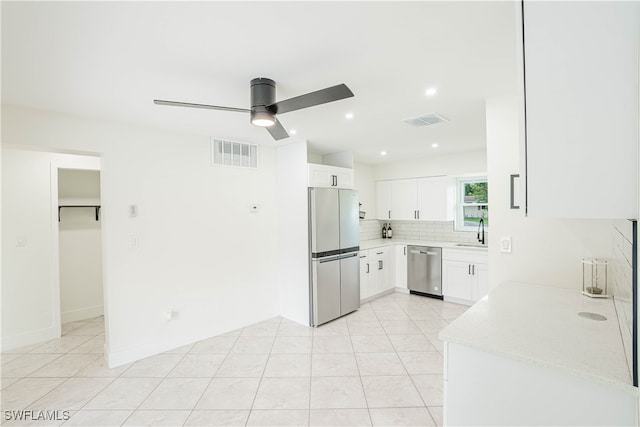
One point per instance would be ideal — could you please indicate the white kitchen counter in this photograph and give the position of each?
(540, 325)
(376, 243)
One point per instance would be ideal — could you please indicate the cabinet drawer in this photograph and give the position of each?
(472, 257)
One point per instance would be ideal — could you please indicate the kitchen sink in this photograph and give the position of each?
(472, 245)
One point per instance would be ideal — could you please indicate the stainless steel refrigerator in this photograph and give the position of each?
(334, 241)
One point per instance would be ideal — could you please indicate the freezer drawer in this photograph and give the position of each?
(424, 270)
(349, 283)
(325, 293)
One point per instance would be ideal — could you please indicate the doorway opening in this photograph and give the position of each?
(80, 257)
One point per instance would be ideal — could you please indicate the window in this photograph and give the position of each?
(229, 153)
(473, 203)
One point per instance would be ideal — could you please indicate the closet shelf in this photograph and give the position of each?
(96, 207)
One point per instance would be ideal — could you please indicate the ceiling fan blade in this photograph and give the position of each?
(208, 107)
(330, 94)
(277, 131)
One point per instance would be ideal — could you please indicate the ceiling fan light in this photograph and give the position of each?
(262, 118)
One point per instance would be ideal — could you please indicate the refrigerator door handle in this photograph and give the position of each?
(348, 255)
(333, 258)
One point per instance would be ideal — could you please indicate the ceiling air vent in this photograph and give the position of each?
(425, 120)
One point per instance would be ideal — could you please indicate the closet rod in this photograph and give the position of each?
(96, 207)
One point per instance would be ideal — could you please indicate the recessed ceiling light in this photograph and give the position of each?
(434, 145)
(383, 153)
(349, 116)
(431, 91)
(293, 131)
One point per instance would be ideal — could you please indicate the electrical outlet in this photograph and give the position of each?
(505, 245)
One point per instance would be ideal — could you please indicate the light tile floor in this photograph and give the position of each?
(380, 366)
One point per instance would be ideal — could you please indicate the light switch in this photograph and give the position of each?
(133, 211)
(505, 245)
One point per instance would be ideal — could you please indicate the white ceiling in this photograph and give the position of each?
(110, 60)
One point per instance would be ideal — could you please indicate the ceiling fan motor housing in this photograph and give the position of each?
(263, 93)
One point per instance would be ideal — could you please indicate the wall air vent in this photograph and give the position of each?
(230, 153)
(425, 120)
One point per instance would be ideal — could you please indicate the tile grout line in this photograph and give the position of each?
(66, 379)
(364, 394)
(213, 375)
(262, 376)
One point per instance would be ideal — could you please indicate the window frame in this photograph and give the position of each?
(460, 205)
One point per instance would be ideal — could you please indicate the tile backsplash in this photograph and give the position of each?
(440, 231)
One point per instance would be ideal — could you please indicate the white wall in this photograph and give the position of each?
(545, 251)
(364, 182)
(80, 243)
(464, 163)
(293, 232)
(30, 289)
(201, 252)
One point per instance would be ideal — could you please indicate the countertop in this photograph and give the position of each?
(376, 243)
(540, 325)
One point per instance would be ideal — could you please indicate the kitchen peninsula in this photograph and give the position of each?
(523, 356)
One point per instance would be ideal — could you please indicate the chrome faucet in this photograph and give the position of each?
(481, 231)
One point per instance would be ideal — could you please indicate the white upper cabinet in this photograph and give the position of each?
(581, 108)
(404, 199)
(383, 199)
(436, 199)
(329, 176)
(424, 199)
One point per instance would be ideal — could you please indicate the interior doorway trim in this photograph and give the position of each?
(64, 161)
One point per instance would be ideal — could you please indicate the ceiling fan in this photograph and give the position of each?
(264, 108)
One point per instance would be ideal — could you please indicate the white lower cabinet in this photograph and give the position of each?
(374, 272)
(464, 275)
(364, 274)
(400, 266)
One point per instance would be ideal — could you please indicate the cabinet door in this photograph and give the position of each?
(581, 80)
(404, 199)
(383, 200)
(364, 275)
(319, 176)
(400, 272)
(379, 268)
(436, 199)
(458, 281)
(329, 176)
(343, 178)
(481, 279)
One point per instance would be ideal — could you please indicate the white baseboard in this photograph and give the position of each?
(82, 313)
(458, 301)
(120, 357)
(28, 338)
(402, 290)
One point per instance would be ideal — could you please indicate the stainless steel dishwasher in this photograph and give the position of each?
(424, 271)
